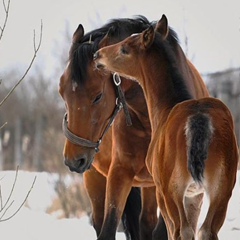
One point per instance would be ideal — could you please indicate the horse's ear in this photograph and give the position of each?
(147, 37)
(106, 39)
(78, 34)
(162, 26)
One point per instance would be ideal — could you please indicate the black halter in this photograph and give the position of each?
(120, 103)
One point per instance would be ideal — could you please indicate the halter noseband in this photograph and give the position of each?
(120, 103)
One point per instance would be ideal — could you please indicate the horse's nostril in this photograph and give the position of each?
(79, 165)
(81, 162)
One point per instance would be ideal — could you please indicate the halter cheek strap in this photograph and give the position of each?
(120, 103)
(117, 82)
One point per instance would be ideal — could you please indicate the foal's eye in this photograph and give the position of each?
(124, 50)
(97, 99)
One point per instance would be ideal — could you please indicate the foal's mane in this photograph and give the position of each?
(161, 47)
(81, 53)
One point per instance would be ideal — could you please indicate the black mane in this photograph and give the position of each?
(181, 92)
(81, 54)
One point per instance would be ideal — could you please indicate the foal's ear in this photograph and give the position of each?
(162, 27)
(147, 37)
(78, 34)
(107, 38)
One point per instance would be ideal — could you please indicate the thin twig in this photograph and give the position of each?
(36, 49)
(6, 9)
(10, 195)
(1, 198)
(5, 207)
(3, 125)
(25, 199)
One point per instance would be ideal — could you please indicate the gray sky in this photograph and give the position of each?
(212, 27)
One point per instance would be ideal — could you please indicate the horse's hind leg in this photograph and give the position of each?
(193, 209)
(164, 216)
(148, 220)
(213, 222)
(219, 194)
(148, 217)
(160, 231)
(182, 229)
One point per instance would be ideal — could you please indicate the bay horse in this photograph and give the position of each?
(89, 103)
(193, 147)
(90, 98)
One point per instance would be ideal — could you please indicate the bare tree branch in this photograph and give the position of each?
(1, 201)
(5, 207)
(6, 9)
(11, 192)
(3, 125)
(36, 49)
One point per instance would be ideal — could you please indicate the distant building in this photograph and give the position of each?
(225, 85)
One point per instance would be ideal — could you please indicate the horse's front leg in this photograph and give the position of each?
(95, 185)
(119, 184)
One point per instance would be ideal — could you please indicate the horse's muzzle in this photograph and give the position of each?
(79, 165)
(96, 57)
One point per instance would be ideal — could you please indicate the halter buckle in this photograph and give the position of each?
(119, 103)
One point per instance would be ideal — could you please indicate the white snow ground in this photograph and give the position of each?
(33, 223)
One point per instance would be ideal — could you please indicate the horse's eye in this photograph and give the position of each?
(124, 50)
(97, 99)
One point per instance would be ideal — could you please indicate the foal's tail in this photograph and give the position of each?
(130, 217)
(199, 132)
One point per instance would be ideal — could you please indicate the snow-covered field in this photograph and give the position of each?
(33, 223)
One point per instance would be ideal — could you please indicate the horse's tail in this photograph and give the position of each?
(199, 132)
(130, 217)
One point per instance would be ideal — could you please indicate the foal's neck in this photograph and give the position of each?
(164, 87)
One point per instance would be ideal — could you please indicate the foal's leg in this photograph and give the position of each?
(193, 209)
(219, 191)
(214, 220)
(174, 200)
(95, 185)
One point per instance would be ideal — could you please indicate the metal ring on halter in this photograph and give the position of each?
(116, 79)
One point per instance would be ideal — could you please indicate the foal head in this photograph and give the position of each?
(128, 56)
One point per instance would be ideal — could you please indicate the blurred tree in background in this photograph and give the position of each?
(30, 124)
(32, 137)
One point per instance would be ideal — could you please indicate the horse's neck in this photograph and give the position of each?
(192, 77)
(136, 101)
(160, 93)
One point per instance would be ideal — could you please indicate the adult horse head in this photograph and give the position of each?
(89, 104)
